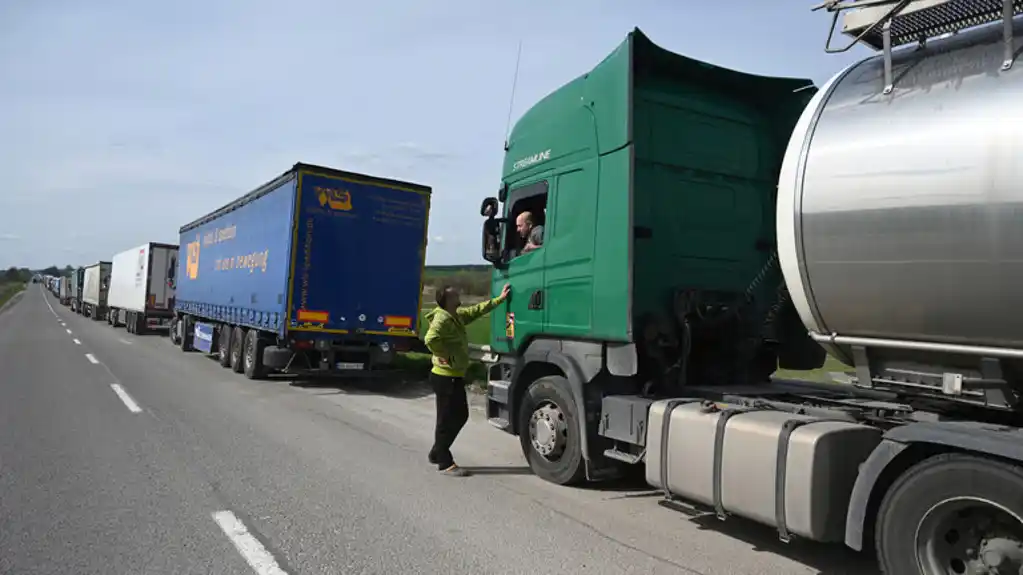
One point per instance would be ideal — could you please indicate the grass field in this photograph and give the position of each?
(8, 290)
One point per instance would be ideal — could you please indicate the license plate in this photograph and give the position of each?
(347, 365)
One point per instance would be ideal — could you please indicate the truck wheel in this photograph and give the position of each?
(253, 362)
(549, 431)
(138, 324)
(952, 513)
(224, 345)
(237, 350)
(187, 325)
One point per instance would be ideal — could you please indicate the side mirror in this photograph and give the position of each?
(488, 208)
(502, 194)
(492, 241)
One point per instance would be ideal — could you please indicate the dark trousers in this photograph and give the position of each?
(452, 414)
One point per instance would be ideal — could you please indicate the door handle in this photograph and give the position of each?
(536, 300)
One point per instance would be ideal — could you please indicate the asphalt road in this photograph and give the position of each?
(121, 455)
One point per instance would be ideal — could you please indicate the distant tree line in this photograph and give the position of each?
(24, 275)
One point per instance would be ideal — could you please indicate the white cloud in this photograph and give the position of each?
(10, 238)
(438, 239)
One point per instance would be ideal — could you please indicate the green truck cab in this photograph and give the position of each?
(654, 176)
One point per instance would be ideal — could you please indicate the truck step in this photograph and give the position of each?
(629, 458)
(499, 422)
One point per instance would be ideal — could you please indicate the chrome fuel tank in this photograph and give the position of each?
(900, 216)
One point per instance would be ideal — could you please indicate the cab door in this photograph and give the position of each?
(524, 315)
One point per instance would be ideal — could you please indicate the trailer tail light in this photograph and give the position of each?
(303, 344)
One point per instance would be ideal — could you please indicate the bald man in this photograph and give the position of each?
(532, 233)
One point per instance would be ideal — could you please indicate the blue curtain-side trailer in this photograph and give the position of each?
(318, 271)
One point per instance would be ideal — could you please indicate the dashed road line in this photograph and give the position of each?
(128, 401)
(261, 561)
(77, 342)
(124, 341)
(68, 331)
(46, 301)
(91, 358)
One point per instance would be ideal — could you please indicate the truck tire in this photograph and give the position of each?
(224, 345)
(138, 323)
(237, 349)
(549, 431)
(253, 359)
(187, 332)
(952, 513)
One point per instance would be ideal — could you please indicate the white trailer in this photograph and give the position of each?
(95, 290)
(142, 287)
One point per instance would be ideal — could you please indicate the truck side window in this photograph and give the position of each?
(527, 219)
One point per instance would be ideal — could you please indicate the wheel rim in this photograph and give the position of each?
(969, 536)
(548, 431)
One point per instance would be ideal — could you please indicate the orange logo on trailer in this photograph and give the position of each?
(335, 199)
(192, 263)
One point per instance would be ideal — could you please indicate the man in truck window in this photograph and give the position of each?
(530, 231)
(447, 341)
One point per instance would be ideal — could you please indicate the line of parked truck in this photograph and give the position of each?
(701, 228)
(318, 271)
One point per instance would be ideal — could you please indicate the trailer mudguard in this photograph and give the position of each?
(987, 439)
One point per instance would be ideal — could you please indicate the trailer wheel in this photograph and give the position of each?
(952, 514)
(549, 431)
(253, 362)
(237, 349)
(224, 341)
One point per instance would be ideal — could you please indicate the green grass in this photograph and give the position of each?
(8, 290)
(823, 374)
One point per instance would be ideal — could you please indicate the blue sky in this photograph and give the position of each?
(120, 121)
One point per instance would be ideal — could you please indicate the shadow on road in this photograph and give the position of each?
(825, 559)
(391, 384)
(509, 470)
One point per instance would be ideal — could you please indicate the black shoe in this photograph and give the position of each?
(432, 459)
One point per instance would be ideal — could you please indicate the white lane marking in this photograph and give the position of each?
(47, 302)
(77, 342)
(124, 341)
(261, 561)
(91, 358)
(128, 401)
(68, 331)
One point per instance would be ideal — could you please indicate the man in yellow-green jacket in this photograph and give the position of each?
(449, 344)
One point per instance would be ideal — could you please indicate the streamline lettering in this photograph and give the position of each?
(530, 160)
